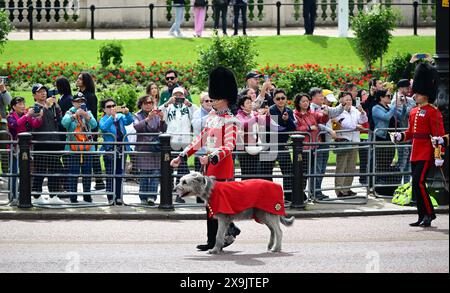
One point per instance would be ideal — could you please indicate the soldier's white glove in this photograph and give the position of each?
(438, 162)
(395, 136)
(437, 140)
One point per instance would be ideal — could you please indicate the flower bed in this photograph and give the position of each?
(294, 78)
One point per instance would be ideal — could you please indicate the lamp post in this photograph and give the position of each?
(442, 100)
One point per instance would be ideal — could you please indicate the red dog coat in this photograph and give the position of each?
(234, 197)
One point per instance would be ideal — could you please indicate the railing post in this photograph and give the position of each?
(151, 7)
(30, 20)
(166, 174)
(24, 170)
(92, 20)
(298, 190)
(278, 18)
(415, 4)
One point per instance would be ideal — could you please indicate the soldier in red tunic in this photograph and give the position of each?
(219, 139)
(425, 122)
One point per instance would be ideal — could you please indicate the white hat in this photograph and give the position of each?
(331, 98)
(178, 90)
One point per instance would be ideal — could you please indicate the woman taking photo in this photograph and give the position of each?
(308, 121)
(86, 85)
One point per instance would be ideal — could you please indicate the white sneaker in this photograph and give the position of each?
(110, 202)
(55, 200)
(144, 201)
(40, 200)
(173, 34)
(180, 35)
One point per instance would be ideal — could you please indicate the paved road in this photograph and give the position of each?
(105, 34)
(356, 244)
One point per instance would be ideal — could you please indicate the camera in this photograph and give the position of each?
(4, 80)
(52, 93)
(421, 56)
(37, 108)
(83, 107)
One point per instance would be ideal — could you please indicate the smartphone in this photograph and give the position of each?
(358, 102)
(4, 80)
(266, 77)
(83, 107)
(157, 110)
(421, 56)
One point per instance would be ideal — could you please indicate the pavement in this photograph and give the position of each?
(385, 244)
(192, 211)
(188, 32)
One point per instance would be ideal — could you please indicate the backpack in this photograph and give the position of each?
(403, 195)
(81, 127)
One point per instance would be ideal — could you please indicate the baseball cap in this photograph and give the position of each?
(252, 74)
(79, 96)
(36, 87)
(178, 89)
(329, 96)
(16, 100)
(403, 83)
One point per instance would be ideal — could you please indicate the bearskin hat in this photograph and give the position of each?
(426, 81)
(223, 85)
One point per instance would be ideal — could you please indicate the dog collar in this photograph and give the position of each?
(208, 183)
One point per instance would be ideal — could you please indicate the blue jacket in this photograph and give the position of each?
(70, 125)
(279, 125)
(107, 125)
(381, 118)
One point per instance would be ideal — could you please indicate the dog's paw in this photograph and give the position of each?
(214, 251)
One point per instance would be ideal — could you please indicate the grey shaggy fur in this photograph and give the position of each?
(195, 184)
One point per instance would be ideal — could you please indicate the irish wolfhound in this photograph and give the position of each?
(228, 201)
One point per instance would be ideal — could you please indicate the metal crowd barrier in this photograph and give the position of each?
(8, 173)
(145, 169)
(56, 166)
(390, 158)
(300, 156)
(342, 151)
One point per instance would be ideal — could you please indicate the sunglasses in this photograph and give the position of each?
(280, 98)
(110, 106)
(148, 103)
(170, 77)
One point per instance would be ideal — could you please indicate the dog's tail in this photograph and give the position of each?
(287, 221)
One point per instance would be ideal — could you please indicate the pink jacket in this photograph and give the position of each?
(308, 119)
(18, 124)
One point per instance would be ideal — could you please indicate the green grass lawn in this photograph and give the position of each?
(282, 50)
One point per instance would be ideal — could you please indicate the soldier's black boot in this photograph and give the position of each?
(416, 224)
(212, 225)
(426, 222)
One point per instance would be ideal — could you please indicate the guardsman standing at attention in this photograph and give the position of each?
(425, 122)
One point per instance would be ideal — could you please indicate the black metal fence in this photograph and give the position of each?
(297, 174)
(31, 10)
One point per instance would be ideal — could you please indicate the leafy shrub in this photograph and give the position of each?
(396, 65)
(236, 54)
(5, 28)
(301, 80)
(373, 33)
(111, 52)
(123, 95)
